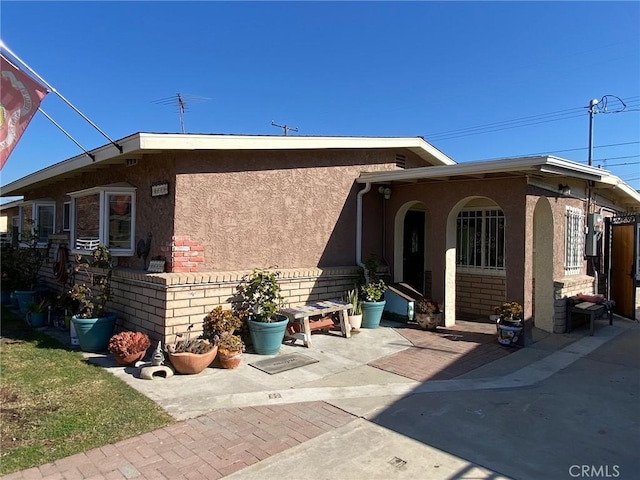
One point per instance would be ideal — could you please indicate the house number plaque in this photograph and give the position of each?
(159, 189)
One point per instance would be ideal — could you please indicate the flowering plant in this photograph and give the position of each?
(512, 310)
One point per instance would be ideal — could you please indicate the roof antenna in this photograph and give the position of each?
(286, 128)
(182, 102)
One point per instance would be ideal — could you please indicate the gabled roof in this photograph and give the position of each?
(134, 146)
(543, 168)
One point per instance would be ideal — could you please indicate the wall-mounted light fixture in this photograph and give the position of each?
(386, 191)
(564, 189)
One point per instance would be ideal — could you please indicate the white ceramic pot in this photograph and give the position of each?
(355, 321)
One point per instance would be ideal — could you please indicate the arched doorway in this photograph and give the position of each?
(412, 250)
(543, 301)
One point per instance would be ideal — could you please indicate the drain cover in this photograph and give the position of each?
(397, 462)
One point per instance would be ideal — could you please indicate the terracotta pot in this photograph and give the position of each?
(428, 322)
(191, 363)
(129, 359)
(229, 359)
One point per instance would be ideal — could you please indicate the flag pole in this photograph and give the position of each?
(53, 90)
(91, 155)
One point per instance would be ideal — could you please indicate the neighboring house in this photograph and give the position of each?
(216, 206)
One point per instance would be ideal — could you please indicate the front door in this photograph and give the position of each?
(413, 250)
(622, 266)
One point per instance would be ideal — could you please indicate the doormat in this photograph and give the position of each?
(283, 363)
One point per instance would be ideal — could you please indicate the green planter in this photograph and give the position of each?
(372, 313)
(25, 297)
(94, 333)
(36, 319)
(267, 336)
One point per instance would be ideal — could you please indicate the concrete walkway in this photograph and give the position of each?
(566, 401)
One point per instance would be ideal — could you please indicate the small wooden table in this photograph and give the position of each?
(301, 316)
(590, 309)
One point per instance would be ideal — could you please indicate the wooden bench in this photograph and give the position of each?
(576, 306)
(301, 316)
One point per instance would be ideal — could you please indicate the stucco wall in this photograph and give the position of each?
(257, 209)
(153, 214)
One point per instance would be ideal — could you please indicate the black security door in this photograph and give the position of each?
(413, 250)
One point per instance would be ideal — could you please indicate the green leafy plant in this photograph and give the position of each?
(27, 259)
(229, 343)
(373, 291)
(428, 307)
(259, 294)
(353, 298)
(38, 306)
(374, 287)
(511, 311)
(219, 321)
(91, 297)
(128, 343)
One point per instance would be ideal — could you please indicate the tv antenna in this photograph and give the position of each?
(285, 128)
(182, 102)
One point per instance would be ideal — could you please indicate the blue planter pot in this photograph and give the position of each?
(267, 337)
(37, 319)
(25, 297)
(6, 297)
(94, 333)
(372, 314)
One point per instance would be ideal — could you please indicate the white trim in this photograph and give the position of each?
(573, 241)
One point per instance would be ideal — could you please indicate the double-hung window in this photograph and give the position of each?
(574, 241)
(103, 215)
(480, 240)
(38, 217)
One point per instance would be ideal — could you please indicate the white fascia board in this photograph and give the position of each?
(523, 164)
(105, 152)
(155, 141)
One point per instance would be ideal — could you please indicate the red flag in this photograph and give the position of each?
(20, 96)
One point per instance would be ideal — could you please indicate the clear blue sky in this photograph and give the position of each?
(337, 68)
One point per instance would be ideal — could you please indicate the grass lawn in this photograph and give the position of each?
(54, 404)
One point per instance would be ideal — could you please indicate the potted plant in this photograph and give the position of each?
(371, 294)
(92, 323)
(259, 295)
(496, 314)
(219, 321)
(129, 347)
(190, 356)
(355, 313)
(37, 312)
(509, 323)
(230, 348)
(28, 261)
(428, 314)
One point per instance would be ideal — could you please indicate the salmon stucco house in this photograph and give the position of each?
(469, 235)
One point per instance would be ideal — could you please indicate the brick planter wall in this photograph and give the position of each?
(478, 294)
(568, 287)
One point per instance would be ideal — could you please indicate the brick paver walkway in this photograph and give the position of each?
(207, 447)
(446, 353)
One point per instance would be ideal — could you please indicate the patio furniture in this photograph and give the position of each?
(301, 316)
(575, 306)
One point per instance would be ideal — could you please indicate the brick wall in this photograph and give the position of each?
(477, 294)
(568, 287)
(183, 255)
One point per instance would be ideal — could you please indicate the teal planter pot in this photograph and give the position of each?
(25, 297)
(94, 333)
(372, 314)
(6, 297)
(36, 319)
(267, 337)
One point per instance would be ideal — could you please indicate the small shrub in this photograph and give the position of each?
(128, 343)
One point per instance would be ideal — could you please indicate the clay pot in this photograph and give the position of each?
(129, 359)
(229, 359)
(191, 363)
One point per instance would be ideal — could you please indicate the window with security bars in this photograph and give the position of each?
(480, 239)
(574, 241)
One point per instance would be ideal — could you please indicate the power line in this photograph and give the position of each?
(558, 115)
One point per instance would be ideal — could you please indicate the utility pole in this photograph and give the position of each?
(286, 128)
(592, 112)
